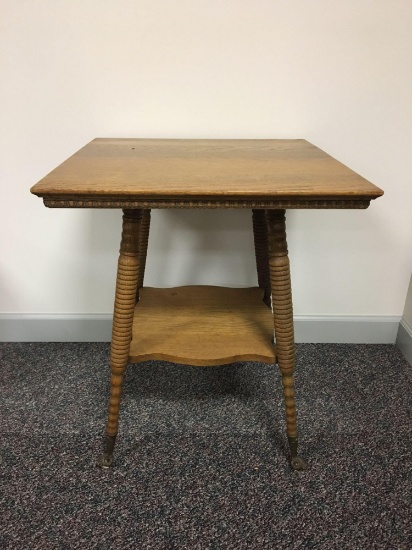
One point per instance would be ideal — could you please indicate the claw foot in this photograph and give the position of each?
(298, 463)
(104, 461)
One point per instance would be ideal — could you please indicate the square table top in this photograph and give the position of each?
(203, 173)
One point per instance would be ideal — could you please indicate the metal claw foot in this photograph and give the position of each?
(298, 463)
(104, 461)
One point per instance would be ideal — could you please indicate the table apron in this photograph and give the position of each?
(270, 204)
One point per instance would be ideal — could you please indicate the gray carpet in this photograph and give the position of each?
(200, 459)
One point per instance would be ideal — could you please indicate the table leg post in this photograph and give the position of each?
(143, 242)
(260, 234)
(125, 300)
(283, 321)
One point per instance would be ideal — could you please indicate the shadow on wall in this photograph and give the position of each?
(407, 312)
(215, 247)
(101, 233)
(201, 247)
(186, 247)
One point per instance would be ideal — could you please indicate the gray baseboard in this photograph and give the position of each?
(55, 328)
(360, 329)
(404, 340)
(97, 328)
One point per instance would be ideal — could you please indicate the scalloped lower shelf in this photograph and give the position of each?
(202, 325)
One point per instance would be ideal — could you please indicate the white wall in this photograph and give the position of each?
(338, 74)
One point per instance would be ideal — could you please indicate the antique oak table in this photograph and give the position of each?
(203, 325)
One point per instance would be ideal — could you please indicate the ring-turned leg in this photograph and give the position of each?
(125, 300)
(260, 234)
(283, 320)
(143, 242)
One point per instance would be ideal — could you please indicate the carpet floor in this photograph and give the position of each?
(200, 461)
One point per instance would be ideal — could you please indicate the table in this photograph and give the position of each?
(204, 325)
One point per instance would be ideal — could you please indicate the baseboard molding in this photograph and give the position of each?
(55, 328)
(404, 340)
(97, 328)
(359, 329)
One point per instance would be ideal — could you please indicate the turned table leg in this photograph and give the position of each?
(260, 234)
(125, 300)
(283, 320)
(143, 242)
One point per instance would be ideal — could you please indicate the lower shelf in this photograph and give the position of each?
(202, 325)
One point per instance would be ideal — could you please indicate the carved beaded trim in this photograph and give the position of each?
(154, 203)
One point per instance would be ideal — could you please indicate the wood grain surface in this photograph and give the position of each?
(202, 325)
(189, 169)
